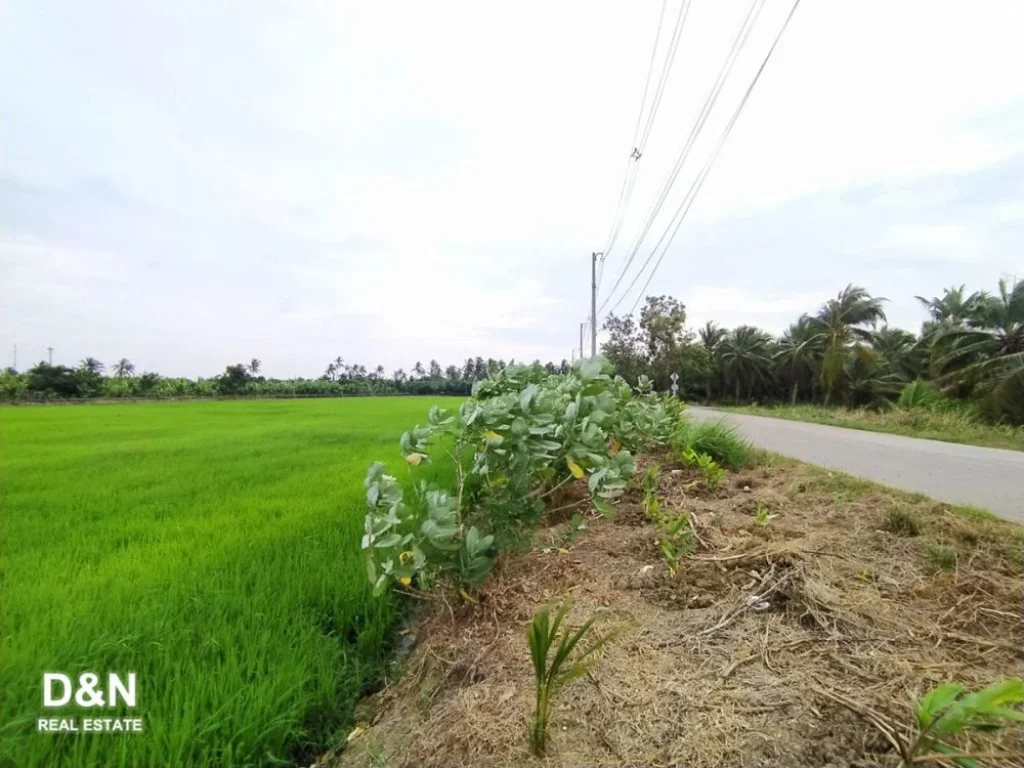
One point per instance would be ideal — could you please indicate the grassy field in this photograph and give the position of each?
(211, 548)
(950, 426)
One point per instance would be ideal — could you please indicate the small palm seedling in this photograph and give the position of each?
(762, 517)
(577, 527)
(554, 672)
(713, 474)
(649, 485)
(949, 710)
(675, 539)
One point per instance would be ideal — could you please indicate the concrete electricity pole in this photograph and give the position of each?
(581, 339)
(50, 350)
(593, 303)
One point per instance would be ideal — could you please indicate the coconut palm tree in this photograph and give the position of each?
(989, 352)
(379, 372)
(417, 370)
(955, 306)
(254, 366)
(92, 365)
(799, 355)
(844, 322)
(745, 358)
(711, 336)
(900, 352)
(124, 369)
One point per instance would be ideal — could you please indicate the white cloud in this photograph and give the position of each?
(397, 180)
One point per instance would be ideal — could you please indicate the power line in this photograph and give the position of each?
(629, 179)
(709, 101)
(666, 70)
(691, 194)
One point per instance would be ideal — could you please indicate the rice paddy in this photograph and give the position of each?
(212, 549)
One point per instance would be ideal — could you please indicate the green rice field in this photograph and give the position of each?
(210, 547)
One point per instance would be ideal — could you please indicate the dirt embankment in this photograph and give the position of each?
(771, 646)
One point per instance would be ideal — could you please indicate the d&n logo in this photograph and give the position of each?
(59, 691)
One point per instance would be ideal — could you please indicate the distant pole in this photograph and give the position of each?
(593, 303)
(15, 365)
(50, 350)
(572, 355)
(582, 325)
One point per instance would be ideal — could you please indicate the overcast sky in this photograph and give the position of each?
(191, 184)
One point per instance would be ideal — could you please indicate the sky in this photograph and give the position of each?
(193, 184)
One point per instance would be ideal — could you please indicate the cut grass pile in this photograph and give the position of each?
(951, 426)
(212, 549)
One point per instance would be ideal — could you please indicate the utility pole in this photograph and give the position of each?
(50, 350)
(593, 303)
(581, 339)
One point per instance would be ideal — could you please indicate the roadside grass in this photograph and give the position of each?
(950, 426)
(212, 549)
(717, 439)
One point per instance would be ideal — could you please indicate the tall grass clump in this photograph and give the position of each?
(716, 439)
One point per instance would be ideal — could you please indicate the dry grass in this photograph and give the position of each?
(846, 617)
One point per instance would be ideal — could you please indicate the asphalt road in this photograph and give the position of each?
(990, 478)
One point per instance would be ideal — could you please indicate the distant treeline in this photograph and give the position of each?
(91, 379)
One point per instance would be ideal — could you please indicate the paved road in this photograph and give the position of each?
(990, 478)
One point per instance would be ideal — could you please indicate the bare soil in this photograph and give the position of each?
(849, 622)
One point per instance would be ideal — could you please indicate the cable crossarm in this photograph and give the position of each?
(711, 98)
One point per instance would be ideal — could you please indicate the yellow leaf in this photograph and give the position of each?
(415, 458)
(356, 732)
(563, 551)
(492, 435)
(576, 469)
(614, 447)
(405, 580)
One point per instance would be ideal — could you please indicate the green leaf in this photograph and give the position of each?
(936, 701)
(526, 396)
(388, 541)
(590, 368)
(602, 506)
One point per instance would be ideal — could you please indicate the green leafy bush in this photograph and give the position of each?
(521, 436)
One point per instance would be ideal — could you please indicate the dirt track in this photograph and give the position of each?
(990, 478)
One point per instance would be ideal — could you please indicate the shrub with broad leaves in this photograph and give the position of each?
(521, 436)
